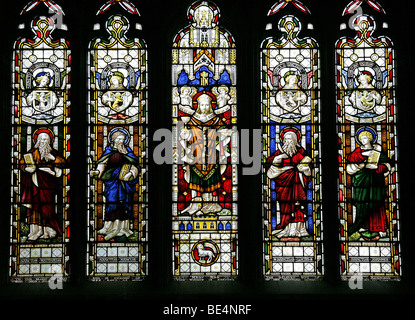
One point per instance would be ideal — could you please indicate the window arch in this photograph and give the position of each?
(117, 152)
(246, 22)
(204, 171)
(367, 139)
(291, 175)
(41, 153)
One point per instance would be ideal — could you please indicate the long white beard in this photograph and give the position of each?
(121, 148)
(289, 148)
(44, 150)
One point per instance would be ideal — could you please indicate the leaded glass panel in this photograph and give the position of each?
(205, 181)
(368, 179)
(291, 171)
(117, 155)
(41, 152)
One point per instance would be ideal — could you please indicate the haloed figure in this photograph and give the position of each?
(204, 174)
(118, 169)
(291, 97)
(118, 98)
(42, 99)
(41, 166)
(369, 166)
(290, 169)
(366, 98)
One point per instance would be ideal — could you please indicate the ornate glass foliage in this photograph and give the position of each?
(291, 172)
(204, 170)
(117, 147)
(40, 155)
(368, 180)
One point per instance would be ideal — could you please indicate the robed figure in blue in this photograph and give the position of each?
(118, 169)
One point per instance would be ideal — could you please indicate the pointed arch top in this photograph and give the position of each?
(52, 5)
(281, 4)
(125, 4)
(356, 5)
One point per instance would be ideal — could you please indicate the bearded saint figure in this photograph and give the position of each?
(289, 167)
(118, 169)
(203, 171)
(41, 166)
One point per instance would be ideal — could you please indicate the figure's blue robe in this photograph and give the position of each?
(118, 193)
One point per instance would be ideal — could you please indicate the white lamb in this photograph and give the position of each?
(202, 252)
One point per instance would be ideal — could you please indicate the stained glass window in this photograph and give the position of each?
(204, 168)
(291, 171)
(366, 126)
(41, 151)
(117, 148)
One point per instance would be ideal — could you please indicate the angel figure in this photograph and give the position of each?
(222, 96)
(42, 99)
(365, 98)
(291, 97)
(117, 98)
(184, 99)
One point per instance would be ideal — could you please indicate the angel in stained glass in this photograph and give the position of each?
(365, 98)
(291, 98)
(42, 102)
(42, 99)
(117, 97)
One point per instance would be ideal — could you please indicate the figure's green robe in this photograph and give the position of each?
(369, 193)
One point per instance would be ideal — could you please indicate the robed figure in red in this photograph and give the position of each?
(289, 167)
(42, 167)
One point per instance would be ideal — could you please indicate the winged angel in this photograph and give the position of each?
(42, 102)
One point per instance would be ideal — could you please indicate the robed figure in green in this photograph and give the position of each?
(369, 166)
